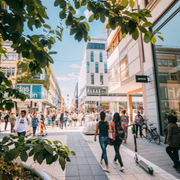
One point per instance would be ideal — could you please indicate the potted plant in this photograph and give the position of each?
(40, 149)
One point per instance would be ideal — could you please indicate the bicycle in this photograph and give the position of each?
(150, 134)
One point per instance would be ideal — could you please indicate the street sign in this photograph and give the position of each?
(141, 79)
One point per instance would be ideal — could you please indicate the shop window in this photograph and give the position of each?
(101, 57)
(101, 79)
(96, 67)
(37, 76)
(167, 60)
(92, 78)
(92, 56)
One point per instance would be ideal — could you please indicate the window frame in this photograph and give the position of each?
(87, 67)
(92, 78)
(101, 82)
(97, 67)
(92, 56)
(100, 56)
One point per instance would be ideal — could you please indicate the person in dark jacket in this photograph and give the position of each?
(34, 122)
(172, 140)
(6, 119)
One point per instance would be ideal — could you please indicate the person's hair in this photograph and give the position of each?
(102, 116)
(107, 111)
(172, 119)
(124, 111)
(23, 111)
(138, 112)
(12, 113)
(116, 119)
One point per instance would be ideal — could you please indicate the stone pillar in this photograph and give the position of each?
(39, 106)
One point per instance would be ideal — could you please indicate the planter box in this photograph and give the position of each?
(40, 173)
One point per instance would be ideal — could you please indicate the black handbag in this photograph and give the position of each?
(110, 141)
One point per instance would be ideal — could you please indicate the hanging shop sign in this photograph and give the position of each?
(141, 79)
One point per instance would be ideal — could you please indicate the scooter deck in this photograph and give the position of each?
(143, 164)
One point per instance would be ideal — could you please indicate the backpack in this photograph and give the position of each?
(120, 133)
(26, 119)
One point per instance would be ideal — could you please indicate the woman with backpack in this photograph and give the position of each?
(103, 126)
(124, 122)
(117, 135)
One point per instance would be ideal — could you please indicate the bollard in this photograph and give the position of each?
(42, 127)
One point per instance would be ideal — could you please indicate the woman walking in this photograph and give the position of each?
(65, 119)
(53, 120)
(103, 126)
(117, 141)
(12, 121)
(34, 122)
(70, 119)
(124, 122)
(172, 140)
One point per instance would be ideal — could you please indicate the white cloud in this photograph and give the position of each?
(75, 66)
(72, 75)
(77, 11)
(87, 13)
(61, 78)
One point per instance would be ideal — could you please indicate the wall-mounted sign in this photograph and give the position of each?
(25, 89)
(141, 79)
(96, 91)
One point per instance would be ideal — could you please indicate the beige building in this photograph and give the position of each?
(160, 62)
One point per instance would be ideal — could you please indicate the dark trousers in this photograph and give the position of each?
(12, 126)
(173, 154)
(22, 133)
(61, 124)
(117, 145)
(6, 123)
(34, 131)
(138, 126)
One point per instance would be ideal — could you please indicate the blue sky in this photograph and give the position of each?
(69, 49)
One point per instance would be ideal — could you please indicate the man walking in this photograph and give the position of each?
(138, 121)
(22, 124)
(61, 120)
(108, 116)
(12, 121)
(6, 119)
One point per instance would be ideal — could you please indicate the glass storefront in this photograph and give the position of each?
(167, 62)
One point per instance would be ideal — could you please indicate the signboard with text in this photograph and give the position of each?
(141, 79)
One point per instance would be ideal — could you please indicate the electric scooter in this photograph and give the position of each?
(146, 167)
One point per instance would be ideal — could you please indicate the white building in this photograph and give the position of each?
(93, 81)
(160, 62)
(42, 97)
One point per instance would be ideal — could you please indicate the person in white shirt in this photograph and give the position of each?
(22, 124)
(75, 118)
(108, 116)
(80, 116)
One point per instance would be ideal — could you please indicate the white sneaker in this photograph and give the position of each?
(122, 168)
(114, 162)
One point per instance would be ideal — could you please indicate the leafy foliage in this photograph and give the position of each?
(40, 149)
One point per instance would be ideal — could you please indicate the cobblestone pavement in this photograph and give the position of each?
(86, 163)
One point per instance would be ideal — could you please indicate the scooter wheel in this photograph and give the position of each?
(151, 172)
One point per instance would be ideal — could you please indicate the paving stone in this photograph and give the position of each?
(92, 161)
(72, 171)
(81, 160)
(101, 178)
(85, 172)
(86, 178)
(72, 178)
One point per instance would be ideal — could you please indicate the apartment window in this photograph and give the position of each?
(101, 79)
(96, 68)
(37, 76)
(96, 46)
(124, 68)
(105, 67)
(92, 78)
(92, 56)
(10, 56)
(101, 57)
(88, 67)
(19, 71)
(8, 71)
(7, 44)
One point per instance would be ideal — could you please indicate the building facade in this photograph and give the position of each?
(43, 89)
(160, 62)
(93, 81)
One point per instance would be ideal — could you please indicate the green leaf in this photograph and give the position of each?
(52, 52)
(84, 2)
(82, 17)
(55, 157)
(57, 2)
(131, 3)
(31, 152)
(102, 18)
(40, 158)
(157, 32)
(125, 3)
(87, 25)
(73, 153)
(88, 38)
(37, 148)
(62, 162)
(123, 35)
(12, 154)
(49, 158)
(62, 14)
(153, 40)
(142, 29)
(135, 34)
(107, 4)
(147, 24)
(108, 26)
(91, 18)
(147, 39)
(5, 139)
(161, 38)
(51, 31)
(48, 148)
(23, 156)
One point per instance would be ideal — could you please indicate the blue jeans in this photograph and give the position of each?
(103, 144)
(65, 123)
(22, 133)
